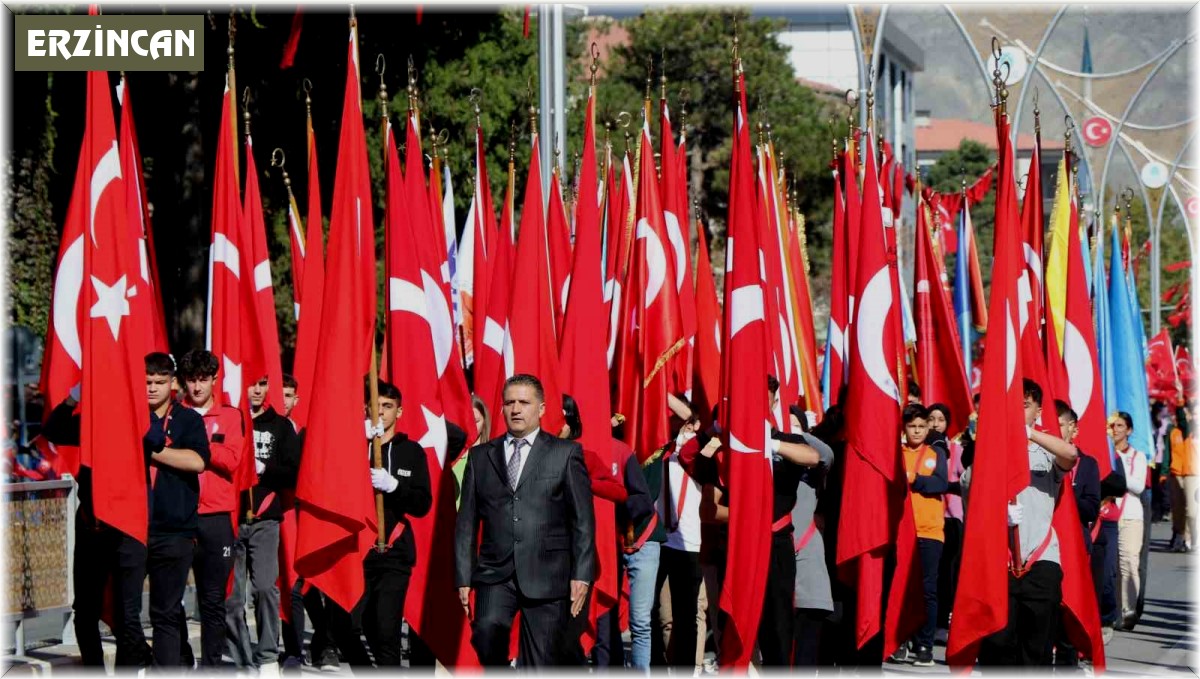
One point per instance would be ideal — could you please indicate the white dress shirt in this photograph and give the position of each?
(509, 449)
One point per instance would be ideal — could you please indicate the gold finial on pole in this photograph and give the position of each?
(649, 75)
(232, 34)
(380, 68)
(1069, 124)
(595, 51)
(737, 57)
(307, 96)
(662, 77)
(512, 143)
(533, 111)
(246, 111)
(998, 82)
(1037, 115)
(474, 97)
(871, 98)
(624, 119)
(277, 160)
(412, 85)
(557, 152)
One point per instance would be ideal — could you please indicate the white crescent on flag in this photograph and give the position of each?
(869, 326)
(656, 261)
(68, 282)
(675, 235)
(1078, 360)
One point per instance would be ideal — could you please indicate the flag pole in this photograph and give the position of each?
(373, 406)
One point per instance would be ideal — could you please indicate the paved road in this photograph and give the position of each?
(1164, 642)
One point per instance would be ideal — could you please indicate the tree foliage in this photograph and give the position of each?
(968, 162)
(692, 48)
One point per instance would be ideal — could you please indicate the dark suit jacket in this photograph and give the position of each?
(1087, 495)
(543, 532)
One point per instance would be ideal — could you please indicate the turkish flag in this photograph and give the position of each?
(475, 255)
(874, 496)
(411, 293)
(797, 258)
(138, 212)
(1183, 366)
(1001, 460)
(840, 285)
(1160, 368)
(266, 325)
(707, 364)
(231, 305)
(656, 330)
(1033, 230)
(744, 407)
(558, 234)
(494, 357)
(114, 416)
(337, 513)
(531, 311)
(853, 229)
(308, 308)
(780, 332)
(673, 192)
(939, 366)
(584, 372)
(425, 214)
(1072, 357)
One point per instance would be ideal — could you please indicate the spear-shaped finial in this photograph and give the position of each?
(380, 68)
(662, 78)
(998, 82)
(246, 111)
(308, 96)
(412, 85)
(595, 51)
(232, 34)
(533, 112)
(1037, 115)
(277, 160)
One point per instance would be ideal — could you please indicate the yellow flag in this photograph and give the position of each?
(1056, 260)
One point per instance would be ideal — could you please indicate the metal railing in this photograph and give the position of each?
(39, 537)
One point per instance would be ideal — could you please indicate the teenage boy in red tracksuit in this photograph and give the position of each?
(218, 499)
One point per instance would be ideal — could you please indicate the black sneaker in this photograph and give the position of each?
(924, 657)
(329, 661)
(902, 656)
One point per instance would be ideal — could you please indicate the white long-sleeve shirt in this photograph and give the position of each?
(1134, 462)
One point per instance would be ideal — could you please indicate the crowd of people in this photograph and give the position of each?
(525, 535)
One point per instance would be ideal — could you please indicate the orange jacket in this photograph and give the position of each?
(1183, 454)
(927, 477)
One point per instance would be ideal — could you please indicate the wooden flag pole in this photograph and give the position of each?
(373, 406)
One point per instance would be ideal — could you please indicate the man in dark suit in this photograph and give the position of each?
(530, 493)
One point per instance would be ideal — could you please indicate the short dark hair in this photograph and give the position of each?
(198, 363)
(1032, 390)
(772, 384)
(158, 363)
(913, 411)
(290, 382)
(941, 408)
(914, 389)
(571, 415)
(386, 390)
(1127, 417)
(525, 380)
(801, 416)
(1064, 410)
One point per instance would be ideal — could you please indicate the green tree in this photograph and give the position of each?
(692, 48)
(968, 162)
(33, 234)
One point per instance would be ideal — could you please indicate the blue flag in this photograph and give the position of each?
(962, 293)
(1104, 355)
(1127, 355)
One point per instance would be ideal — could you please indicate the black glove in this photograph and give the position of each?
(155, 439)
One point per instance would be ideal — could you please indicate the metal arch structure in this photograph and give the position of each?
(865, 70)
(962, 30)
(1033, 64)
(987, 78)
(862, 67)
(1132, 103)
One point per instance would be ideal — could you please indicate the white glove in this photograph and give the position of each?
(811, 417)
(1016, 514)
(382, 481)
(375, 431)
(259, 467)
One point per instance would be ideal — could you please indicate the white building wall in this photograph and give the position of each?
(822, 53)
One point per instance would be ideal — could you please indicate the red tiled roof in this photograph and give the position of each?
(820, 87)
(945, 134)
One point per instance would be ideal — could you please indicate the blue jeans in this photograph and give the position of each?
(642, 569)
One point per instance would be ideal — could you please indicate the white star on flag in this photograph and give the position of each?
(435, 434)
(111, 304)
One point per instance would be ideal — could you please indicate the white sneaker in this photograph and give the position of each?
(269, 671)
(710, 666)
